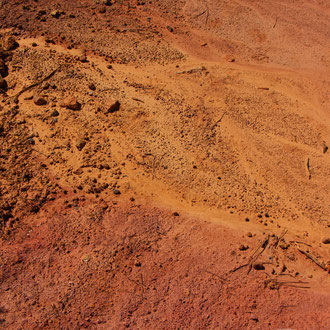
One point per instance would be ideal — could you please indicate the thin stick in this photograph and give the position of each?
(275, 23)
(218, 121)
(154, 167)
(281, 237)
(137, 100)
(142, 285)
(309, 256)
(203, 12)
(156, 164)
(259, 250)
(256, 254)
(207, 13)
(39, 152)
(35, 84)
(221, 278)
(300, 243)
(238, 268)
(308, 169)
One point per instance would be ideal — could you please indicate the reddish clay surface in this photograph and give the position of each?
(164, 164)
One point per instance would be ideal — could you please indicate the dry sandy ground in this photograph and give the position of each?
(164, 164)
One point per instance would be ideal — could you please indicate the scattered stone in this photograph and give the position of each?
(45, 86)
(169, 28)
(102, 10)
(40, 13)
(34, 44)
(112, 106)
(86, 258)
(83, 58)
(325, 148)
(56, 13)
(230, 58)
(70, 103)
(9, 43)
(258, 266)
(137, 263)
(249, 234)
(92, 87)
(107, 2)
(116, 192)
(284, 246)
(55, 113)
(80, 144)
(78, 171)
(176, 214)
(254, 318)
(247, 219)
(109, 66)
(49, 41)
(326, 240)
(30, 141)
(243, 247)
(39, 100)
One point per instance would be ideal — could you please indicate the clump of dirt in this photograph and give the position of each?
(26, 186)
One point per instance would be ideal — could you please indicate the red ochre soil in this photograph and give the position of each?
(200, 200)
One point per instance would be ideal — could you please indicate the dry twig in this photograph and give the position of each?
(217, 122)
(256, 254)
(222, 279)
(34, 84)
(311, 257)
(308, 169)
(281, 237)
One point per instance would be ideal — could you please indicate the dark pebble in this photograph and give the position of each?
(258, 266)
(243, 247)
(326, 240)
(92, 87)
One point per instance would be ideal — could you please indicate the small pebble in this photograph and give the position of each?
(326, 240)
(92, 87)
(243, 247)
(258, 266)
